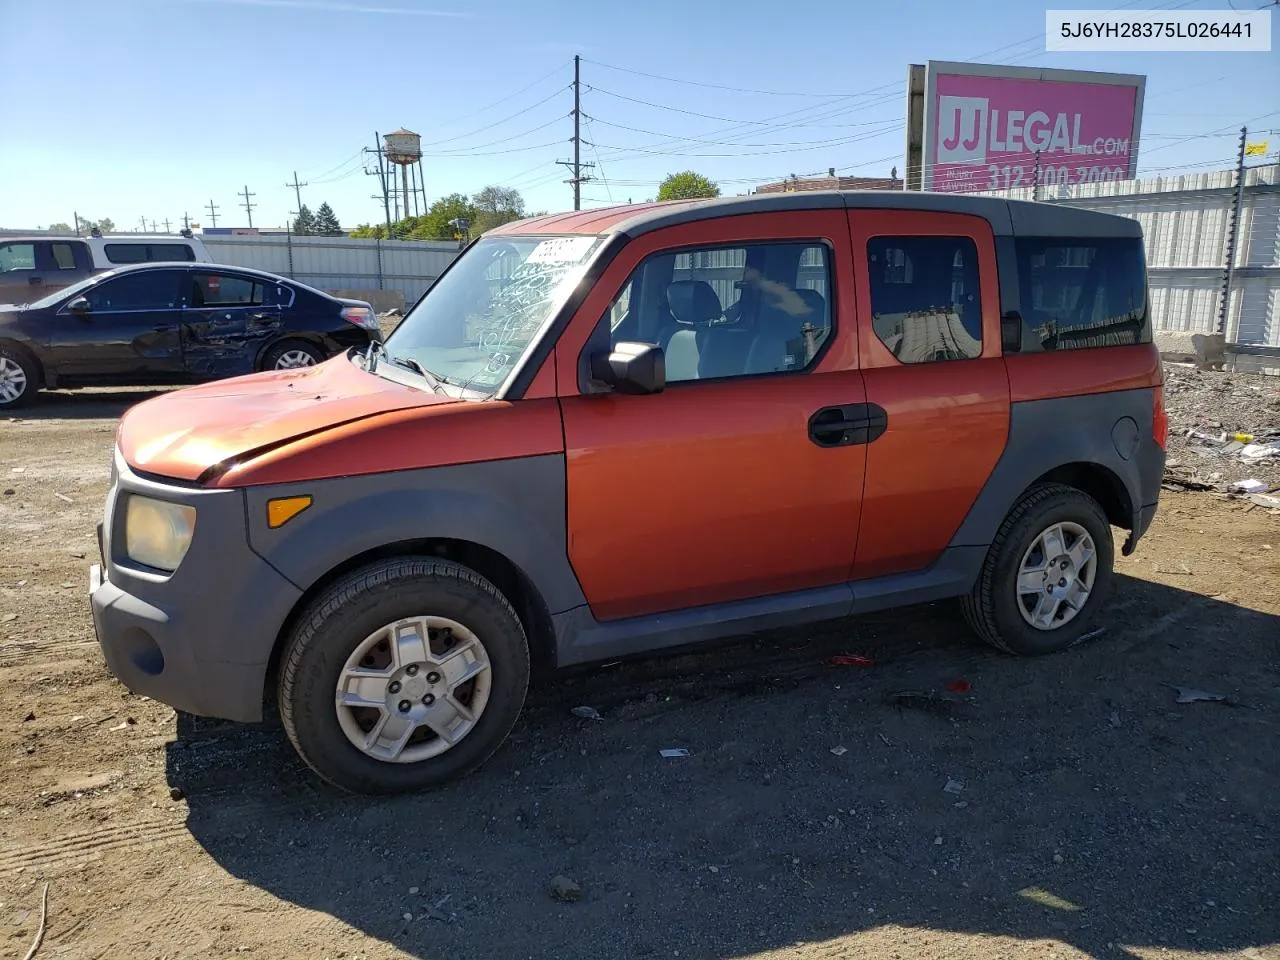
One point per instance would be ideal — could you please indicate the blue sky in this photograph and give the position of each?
(149, 108)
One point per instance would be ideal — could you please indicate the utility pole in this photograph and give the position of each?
(248, 207)
(1233, 232)
(166, 225)
(186, 221)
(213, 214)
(576, 166)
(144, 224)
(382, 179)
(76, 216)
(297, 189)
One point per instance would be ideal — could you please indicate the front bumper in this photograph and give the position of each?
(199, 639)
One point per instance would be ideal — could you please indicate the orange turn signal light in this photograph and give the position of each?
(283, 509)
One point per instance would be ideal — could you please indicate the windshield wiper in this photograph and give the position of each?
(371, 355)
(411, 364)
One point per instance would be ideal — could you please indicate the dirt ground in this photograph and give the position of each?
(1062, 807)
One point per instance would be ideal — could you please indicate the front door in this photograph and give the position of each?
(128, 332)
(226, 320)
(739, 480)
(21, 280)
(929, 339)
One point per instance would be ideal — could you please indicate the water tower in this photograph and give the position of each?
(404, 148)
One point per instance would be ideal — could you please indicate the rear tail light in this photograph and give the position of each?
(362, 317)
(1160, 419)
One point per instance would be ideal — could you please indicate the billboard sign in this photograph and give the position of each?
(991, 127)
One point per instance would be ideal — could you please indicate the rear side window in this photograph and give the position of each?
(147, 252)
(64, 256)
(925, 302)
(1082, 293)
(223, 290)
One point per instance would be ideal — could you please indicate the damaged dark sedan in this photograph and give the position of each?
(157, 323)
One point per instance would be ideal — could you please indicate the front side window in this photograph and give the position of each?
(17, 256)
(925, 302)
(145, 290)
(481, 317)
(223, 290)
(1082, 293)
(729, 311)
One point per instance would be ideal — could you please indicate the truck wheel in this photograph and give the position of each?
(291, 354)
(403, 675)
(18, 378)
(1046, 575)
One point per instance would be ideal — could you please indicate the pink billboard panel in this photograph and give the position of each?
(985, 132)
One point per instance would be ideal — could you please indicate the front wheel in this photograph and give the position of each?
(403, 675)
(17, 378)
(1046, 574)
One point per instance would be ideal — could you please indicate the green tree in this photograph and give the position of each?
(369, 231)
(687, 185)
(305, 223)
(434, 224)
(495, 206)
(326, 222)
(60, 228)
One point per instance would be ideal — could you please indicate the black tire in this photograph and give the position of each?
(276, 351)
(30, 370)
(992, 608)
(353, 608)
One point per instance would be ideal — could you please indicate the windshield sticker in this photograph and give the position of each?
(561, 250)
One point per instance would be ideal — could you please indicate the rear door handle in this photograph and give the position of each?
(848, 424)
(35, 281)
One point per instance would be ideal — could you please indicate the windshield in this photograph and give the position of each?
(71, 291)
(479, 319)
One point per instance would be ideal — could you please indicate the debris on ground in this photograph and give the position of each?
(850, 660)
(1227, 423)
(586, 713)
(960, 685)
(931, 701)
(839, 751)
(672, 752)
(953, 786)
(564, 890)
(1192, 695)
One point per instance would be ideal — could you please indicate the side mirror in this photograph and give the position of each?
(631, 368)
(79, 306)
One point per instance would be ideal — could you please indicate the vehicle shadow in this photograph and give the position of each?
(102, 403)
(1067, 798)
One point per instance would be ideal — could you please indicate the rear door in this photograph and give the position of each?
(129, 332)
(226, 319)
(736, 482)
(929, 339)
(62, 263)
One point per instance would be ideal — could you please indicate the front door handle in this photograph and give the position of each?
(848, 424)
(35, 281)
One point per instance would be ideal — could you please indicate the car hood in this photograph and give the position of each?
(186, 433)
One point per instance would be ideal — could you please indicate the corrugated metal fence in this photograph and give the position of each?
(407, 267)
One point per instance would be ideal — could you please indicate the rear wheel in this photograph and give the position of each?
(403, 675)
(292, 354)
(1046, 575)
(18, 378)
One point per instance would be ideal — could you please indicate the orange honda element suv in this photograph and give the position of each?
(609, 432)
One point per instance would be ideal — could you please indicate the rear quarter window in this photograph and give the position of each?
(147, 252)
(1076, 294)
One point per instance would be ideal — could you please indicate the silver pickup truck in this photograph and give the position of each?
(32, 267)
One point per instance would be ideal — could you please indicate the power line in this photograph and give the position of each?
(472, 133)
(213, 213)
(712, 86)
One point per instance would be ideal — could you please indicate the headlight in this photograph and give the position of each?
(157, 533)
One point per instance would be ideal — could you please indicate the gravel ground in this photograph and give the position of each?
(1065, 807)
(1216, 403)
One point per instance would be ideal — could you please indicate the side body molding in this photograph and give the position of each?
(515, 507)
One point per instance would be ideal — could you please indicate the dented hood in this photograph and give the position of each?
(184, 433)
